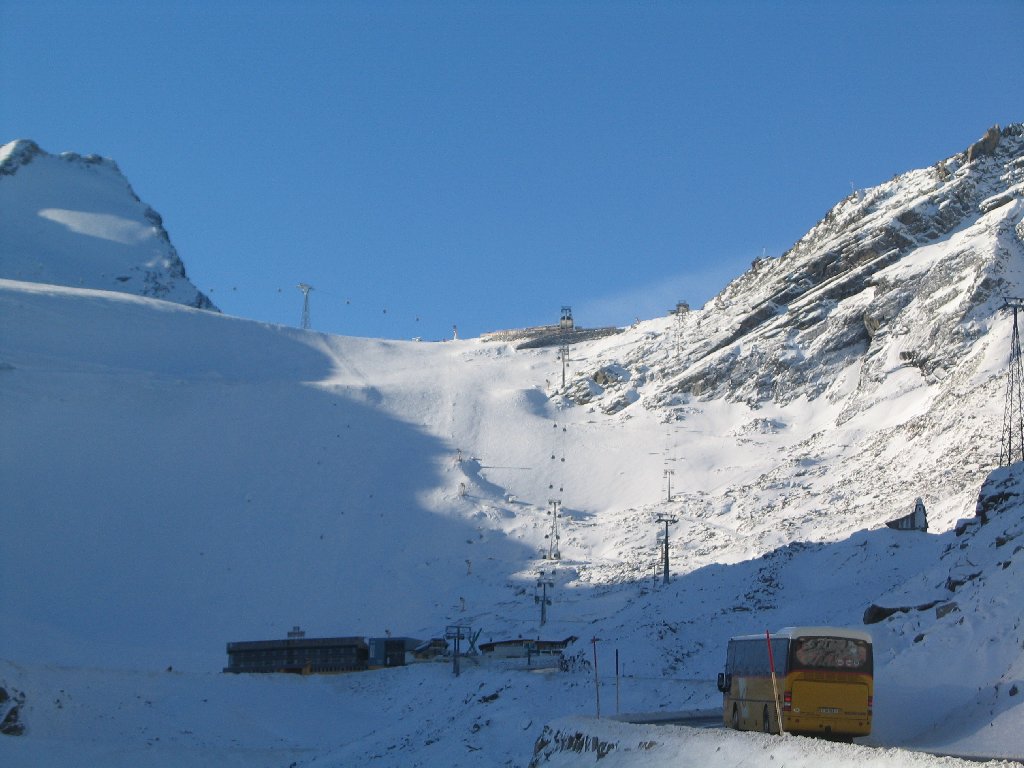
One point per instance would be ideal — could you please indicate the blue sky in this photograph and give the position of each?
(482, 164)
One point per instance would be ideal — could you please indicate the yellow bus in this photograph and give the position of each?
(823, 682)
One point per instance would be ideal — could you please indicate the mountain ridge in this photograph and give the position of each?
(872, 304)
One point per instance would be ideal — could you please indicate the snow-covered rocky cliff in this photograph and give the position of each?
(886, 321)
(75, 221)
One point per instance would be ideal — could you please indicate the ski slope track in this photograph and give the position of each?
(172, 479)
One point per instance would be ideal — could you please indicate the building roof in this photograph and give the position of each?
(524, 641)
(302, 642)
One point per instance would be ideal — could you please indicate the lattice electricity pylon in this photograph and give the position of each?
(305, 288)
(1012, 448)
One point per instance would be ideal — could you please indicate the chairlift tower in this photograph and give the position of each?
(563, 355)
(680, 312)
(544, 583)
(305, 288)
(457, 633)
(666, 521)
(554, 536)
(1012, 447)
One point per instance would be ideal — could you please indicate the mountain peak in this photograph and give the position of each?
(18, 153)
(74, 220)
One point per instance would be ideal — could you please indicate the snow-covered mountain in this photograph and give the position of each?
(75, 221)
(174, 479)
(886, 320)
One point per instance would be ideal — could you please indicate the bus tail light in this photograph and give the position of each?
(787, 702)
(871, 704)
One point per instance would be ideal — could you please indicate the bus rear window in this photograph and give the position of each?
(830, 653)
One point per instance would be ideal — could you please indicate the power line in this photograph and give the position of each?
(364, 309)
(557, 471)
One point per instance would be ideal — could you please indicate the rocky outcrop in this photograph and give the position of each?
(981, 549)
(1003, 490)
(784, 329)
(20, 153)
(11, 704)
(986, 145)
(554, 740)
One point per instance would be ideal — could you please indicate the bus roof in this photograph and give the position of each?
(791, 632)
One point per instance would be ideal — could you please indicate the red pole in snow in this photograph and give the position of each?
(775, 685)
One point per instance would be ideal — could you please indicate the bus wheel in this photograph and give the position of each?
(735, 718)
(767, 724)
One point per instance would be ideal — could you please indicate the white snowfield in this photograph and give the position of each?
(174, 479)
(683, 747)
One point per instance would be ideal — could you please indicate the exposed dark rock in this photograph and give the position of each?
(953, 583)
(986, 145)
(876, 613)
(553, 741)
(11, 703)
(23, 154)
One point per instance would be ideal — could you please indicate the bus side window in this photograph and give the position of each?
(780, 650)
(755, 652)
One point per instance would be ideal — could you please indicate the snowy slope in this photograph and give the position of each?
(174, 479)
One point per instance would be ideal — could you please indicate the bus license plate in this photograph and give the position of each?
(829, 710)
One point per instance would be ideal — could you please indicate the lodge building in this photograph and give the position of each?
(317, 655)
